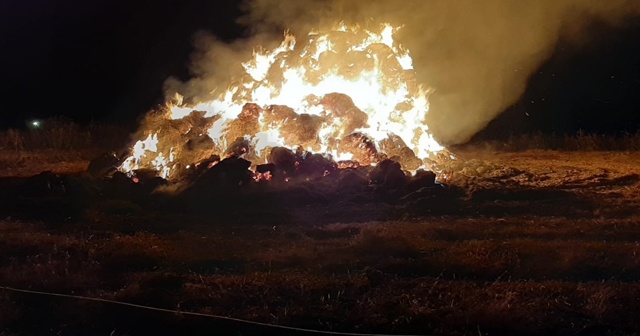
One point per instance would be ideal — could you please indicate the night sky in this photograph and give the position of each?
(593, 87)
(99, 60)
(106, 61)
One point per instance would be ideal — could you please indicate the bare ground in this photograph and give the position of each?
(537, 242)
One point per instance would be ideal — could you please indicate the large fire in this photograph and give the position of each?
(349, 92)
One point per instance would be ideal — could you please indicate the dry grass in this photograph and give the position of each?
(438, 275)
(63, 135)
(581, 141)
(60, 146)
(539, 242)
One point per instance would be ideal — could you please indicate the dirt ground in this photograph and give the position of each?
(527, 243)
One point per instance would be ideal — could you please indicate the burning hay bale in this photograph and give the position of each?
(137, 189)
(293, 179)
(341, 106)
(316, 165)
(348, 94)
(218, 186)
(388, 178)
(277, 115)
(284, 160)
(103, 165)
(352, 181)
(265, 172)
(226, 176)
(197, 148)
(196, 143)
(120, 186)
(192, 172)
(245, 123)
(396, 149)
(239, 147)
(301, 129)
(363, 149)
(422, 179)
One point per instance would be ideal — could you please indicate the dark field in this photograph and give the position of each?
(530, 243)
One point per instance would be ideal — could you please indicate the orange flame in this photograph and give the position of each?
(367, 66)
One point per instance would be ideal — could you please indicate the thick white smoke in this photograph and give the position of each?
(476, 55)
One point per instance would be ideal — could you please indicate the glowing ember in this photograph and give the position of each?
(350, 93)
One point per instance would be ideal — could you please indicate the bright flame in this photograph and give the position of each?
(367, 66)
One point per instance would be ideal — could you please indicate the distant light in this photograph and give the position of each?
(35, 123)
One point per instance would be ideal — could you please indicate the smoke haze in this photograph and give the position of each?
(477, 56)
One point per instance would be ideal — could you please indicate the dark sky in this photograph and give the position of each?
(106, 61)
(592, 86)
(100, 60)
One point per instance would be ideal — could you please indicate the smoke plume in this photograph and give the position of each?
(476, 55)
